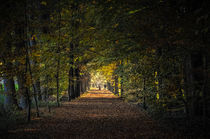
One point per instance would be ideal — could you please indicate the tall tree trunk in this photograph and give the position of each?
(33, 85)
(9, 88)
(69, 87)
(47, 93)
(121, 79)
(38, 89)
(109, 86)
(26, 88)
(36, 68)
(81, 86)
(9, 85)
(116, 91)
(58, 53)
(144, 89)
(77, 92)
(88, 83)
(84, 85)
(189, 87)
(71, 93)
(204, 90)
(71, 84)
(21, 83)
(57, 81)
(29, 42)
(28, 105)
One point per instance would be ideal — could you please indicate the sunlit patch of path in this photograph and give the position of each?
(95, 115)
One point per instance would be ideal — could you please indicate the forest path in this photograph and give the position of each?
(96, 114)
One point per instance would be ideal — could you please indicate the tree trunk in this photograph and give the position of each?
(109, 86)
(38, 89)
(33, 85)
(85, 86)
(9, 88)
(77, 82)
(71, 93)
(28, 105)
(116, 91)
(144, 97)
(58, 53)
(47, 94)
(204, 90)
(28, 99)
(57, 82)
(21, 83)
(189, 87)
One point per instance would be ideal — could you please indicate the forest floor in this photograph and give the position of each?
(96, 115)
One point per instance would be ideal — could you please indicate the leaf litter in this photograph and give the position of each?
(95, 115)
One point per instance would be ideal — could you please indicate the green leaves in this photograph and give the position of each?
(135, 11)
(43, 3)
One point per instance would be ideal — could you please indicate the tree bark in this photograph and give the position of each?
(57, 82)
(77, 82)
(22, 91)
(144, 97)
(58, 53)
(38, 89)
(204, 90)
(33, 85)
(189, 87)
(116, 91)
(9, 89)
(26, 88)
(47, 94)
(71, 93)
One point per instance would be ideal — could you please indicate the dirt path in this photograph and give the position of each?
(97, 114)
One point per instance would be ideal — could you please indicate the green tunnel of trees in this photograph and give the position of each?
(151, 52)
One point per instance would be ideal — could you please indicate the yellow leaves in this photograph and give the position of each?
(156, 74)
(33, 37)
(65, 35)
(43, 3)
(134, 11)
(42, 65)
(182, 90)
(21, 60)
(153, 50)
(1, 63)
(157, 96)
(51, 17)
(156, 82)
(91, 28)
(115, 25)
(67, 49)
(108, 70)
(37, 54)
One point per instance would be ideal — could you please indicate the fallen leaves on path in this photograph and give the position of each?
(95, 115)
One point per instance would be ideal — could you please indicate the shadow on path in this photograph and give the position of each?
(95, 115)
